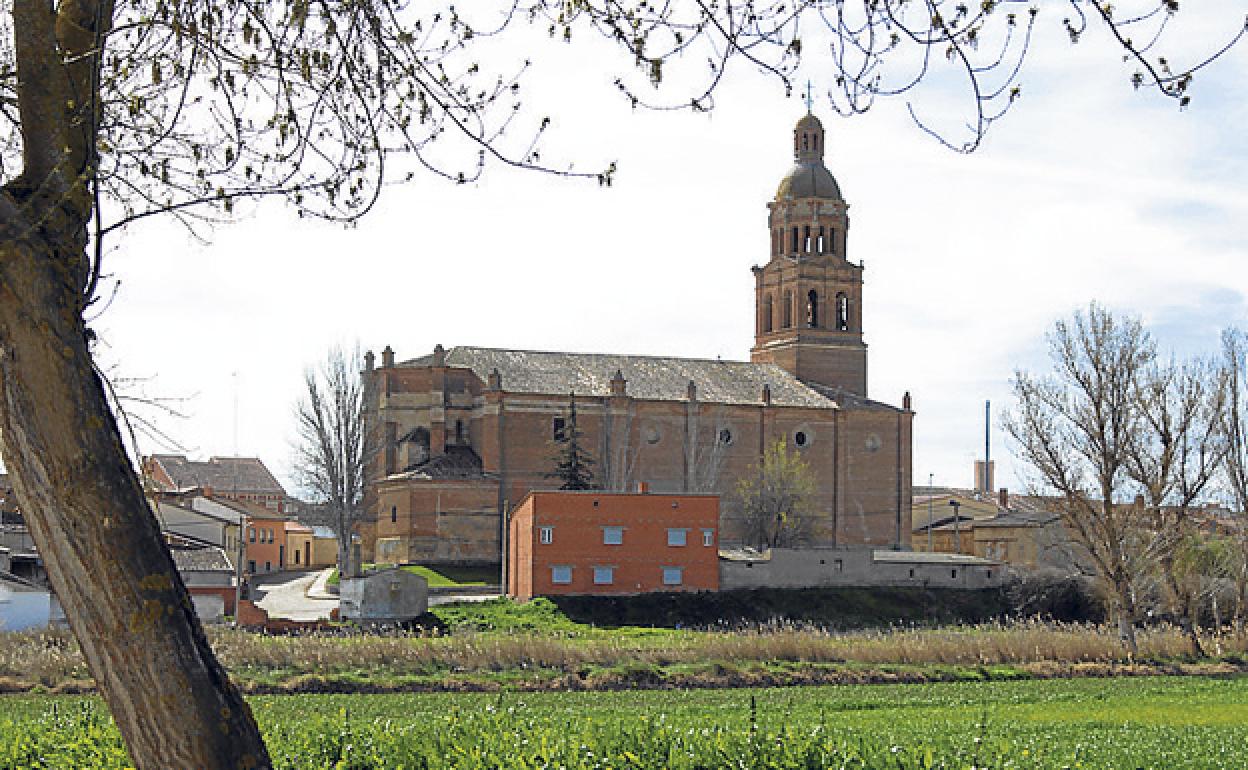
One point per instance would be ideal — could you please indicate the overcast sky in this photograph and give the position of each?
(1087, 191)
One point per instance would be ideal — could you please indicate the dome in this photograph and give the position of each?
(808, 178)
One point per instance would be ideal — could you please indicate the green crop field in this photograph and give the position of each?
(1089, 723)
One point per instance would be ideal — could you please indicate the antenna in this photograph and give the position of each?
(810, 99)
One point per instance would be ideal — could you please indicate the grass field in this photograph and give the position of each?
(442, 576)
(1118, 723)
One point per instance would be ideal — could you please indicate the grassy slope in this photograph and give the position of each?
(1156, 722)
(443, 577)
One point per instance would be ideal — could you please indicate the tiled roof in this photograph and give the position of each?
(209, 559)
(648, 377)
(459, 462)
(223, 474)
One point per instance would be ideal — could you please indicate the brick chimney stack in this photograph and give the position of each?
(387, 357)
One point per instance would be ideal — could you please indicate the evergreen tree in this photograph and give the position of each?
(574, 466)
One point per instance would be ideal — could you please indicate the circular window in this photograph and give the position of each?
(725, 436)
(873, 443)
(800, 438)
(652, 434)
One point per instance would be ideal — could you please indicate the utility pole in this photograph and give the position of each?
(238, 571)
(931, 492)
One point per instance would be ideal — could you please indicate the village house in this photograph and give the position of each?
(468, 432)
(602, 543)
(243, 479)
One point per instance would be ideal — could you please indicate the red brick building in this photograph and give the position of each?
(469, 431)
(602, 543)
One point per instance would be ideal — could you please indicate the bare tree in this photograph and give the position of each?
(1075, 429)
(706, 447)
(778, 502)
(1174, 458)
(338, 441)
(120, 111)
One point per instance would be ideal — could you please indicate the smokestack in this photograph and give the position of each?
(987, 488)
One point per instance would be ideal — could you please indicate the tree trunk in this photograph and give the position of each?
(1193, 638)
(107, 562)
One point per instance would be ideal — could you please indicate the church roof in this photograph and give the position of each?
(459, 462)
(809, 179)
(654, 378)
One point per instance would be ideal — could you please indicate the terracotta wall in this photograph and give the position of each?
(577, 522)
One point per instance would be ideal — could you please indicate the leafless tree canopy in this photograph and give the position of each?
(338, 440)
(1075, 428)
(1127, 444)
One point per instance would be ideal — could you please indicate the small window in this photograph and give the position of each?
(911, 573)
(561, 574)
(251, 534)
(725, 436)
(546, 535)
(394, 514)
(604, 576)
(673, 576)
(251, 566)
(268, 566)
(296, 557)
(838, 565)
(612, 535)
(559, 429)
(676, 536)
(708, 537)
(955, 573)
(800, 438)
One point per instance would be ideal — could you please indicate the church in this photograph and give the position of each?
(467, 432)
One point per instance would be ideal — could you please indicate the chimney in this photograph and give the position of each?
(495, 381)
(692, 391)
(387, 357)
(439, 355)
(369, 361)
(905, 402)
(618, 383)
(766, 394)
(1003, 498)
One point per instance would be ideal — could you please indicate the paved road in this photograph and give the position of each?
(284, 595)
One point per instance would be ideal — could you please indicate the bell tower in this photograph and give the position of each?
(808, 297)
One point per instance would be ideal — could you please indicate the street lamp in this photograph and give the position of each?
(957, 532)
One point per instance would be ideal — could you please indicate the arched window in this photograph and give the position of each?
(786, 312)
(806, 240)
(459, 431)
(767, 313)
(842, 312)
(821, 244)
(831, 240)
(793, 246)
(805, 141)
(812, 309)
